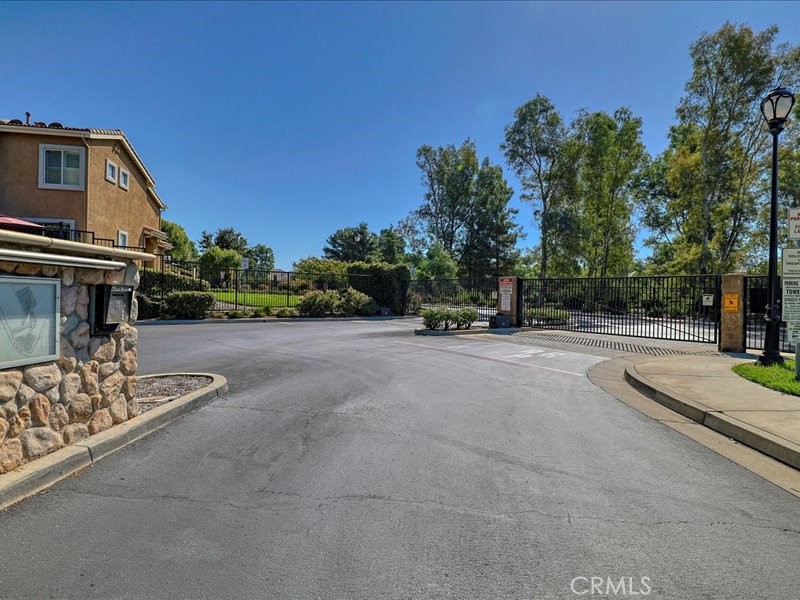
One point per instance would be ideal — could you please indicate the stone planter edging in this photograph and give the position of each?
(38, 475)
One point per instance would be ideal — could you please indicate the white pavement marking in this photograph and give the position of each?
(493, 358)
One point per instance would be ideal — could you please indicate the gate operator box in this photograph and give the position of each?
(109, 305)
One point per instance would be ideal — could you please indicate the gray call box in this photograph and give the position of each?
(109, 305)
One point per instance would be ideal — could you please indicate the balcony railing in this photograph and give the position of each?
(70, 235)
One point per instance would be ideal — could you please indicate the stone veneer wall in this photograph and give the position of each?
(48, 405)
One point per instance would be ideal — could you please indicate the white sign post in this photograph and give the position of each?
(790, 300)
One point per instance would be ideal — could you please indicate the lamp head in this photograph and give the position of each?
(776, 108)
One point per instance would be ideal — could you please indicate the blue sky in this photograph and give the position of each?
(288, 121)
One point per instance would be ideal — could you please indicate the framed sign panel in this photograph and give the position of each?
(30, 315)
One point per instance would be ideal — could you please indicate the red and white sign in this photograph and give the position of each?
(506, 289)
(794, 223)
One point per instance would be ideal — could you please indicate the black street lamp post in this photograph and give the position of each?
(775, 108)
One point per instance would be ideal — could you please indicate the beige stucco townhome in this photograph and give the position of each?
(88, 183)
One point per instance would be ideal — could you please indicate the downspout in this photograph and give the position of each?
(86, 187)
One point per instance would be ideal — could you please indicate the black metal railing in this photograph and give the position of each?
(755, 309)
(59, 233)
(70, 235)
(236, 289)
(682, 308)
(480, 294)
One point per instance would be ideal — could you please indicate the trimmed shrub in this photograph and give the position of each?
(353, 302)
(432, 318)
(149, 308)
(387, 284)
(236, 314)
(465, 317)
(189, 305)
(318, 303)
(264, 311)
(285, 313)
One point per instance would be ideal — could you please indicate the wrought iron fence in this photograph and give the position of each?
(755, 308)
(682, 308)
(241, 289)
(480, 294)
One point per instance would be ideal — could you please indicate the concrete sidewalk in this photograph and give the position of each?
(707, 391)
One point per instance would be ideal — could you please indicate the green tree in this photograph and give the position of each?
(352, 244)
(448, 175)
(491, 233)
(612, 157)
(217, 259)
(206, 241)
(706, 211)
(533, 148)
(183, 249)
(438, 264)
(315, 264)
(226, 238)
(261, 257)
(391, 246)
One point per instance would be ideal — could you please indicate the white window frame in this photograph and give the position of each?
(120, 234)
(112, 171)
(127, 177)
(60, 186)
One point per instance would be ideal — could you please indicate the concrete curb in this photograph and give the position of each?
(40, 474)
(477, 330)
(776, 447)
(251, 320)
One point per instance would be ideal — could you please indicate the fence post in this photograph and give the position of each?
(236, 289)
(163, 283)
(732, 335)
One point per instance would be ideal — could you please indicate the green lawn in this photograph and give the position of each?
(257, 299)
(777, 377)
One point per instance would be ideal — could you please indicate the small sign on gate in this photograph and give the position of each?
(708, 299)
(730, 303)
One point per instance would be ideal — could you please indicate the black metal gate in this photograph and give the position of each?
(683, 308)
(480, 294)
(755, 308)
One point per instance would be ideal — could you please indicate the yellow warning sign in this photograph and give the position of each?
(730, 302)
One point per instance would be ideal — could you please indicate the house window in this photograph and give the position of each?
(61, 167)
(111, 171)
(123, 179)
(122, 238)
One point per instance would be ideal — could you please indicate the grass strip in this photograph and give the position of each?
(775, 377)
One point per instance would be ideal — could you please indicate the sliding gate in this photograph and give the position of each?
(683, 308)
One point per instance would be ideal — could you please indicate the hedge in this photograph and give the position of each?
(433, 318)
(152, 283)
(347, 303)
(387, 284)
(148, 308)
(189, 305)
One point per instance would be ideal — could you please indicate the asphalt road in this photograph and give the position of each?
(355, 460)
